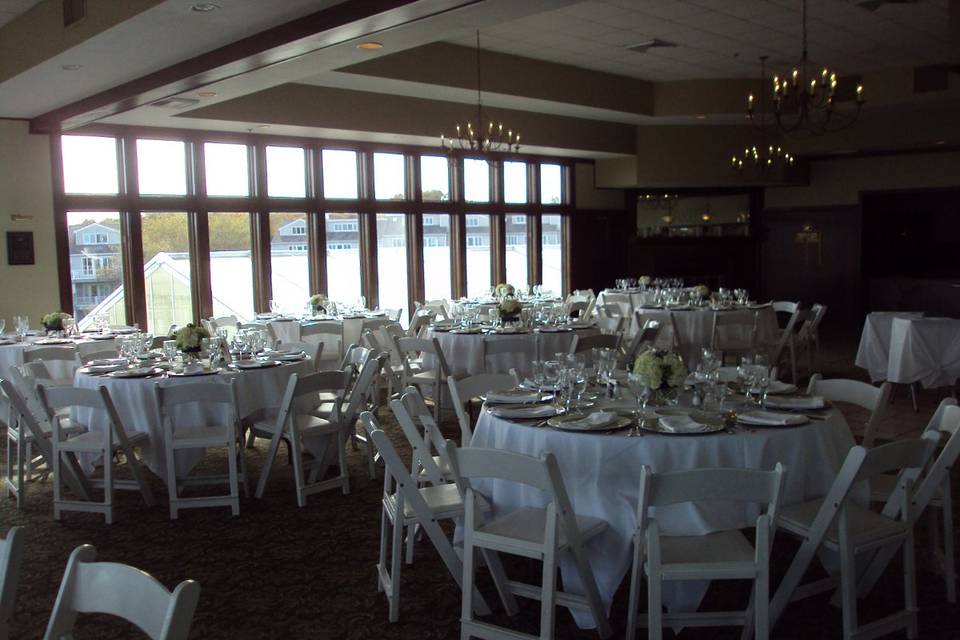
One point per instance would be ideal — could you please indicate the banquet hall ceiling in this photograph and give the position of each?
(565, 62)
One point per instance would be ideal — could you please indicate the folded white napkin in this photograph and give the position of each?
(512, 395)
(529, 411)
(770, 418)
(530, 384)
(596, 420)
(106, 362)
(781, 387)
(681, 424)
(795, 402)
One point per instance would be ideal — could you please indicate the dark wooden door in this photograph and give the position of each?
(813, 255)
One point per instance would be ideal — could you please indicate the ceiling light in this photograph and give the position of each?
(653, 43)
(701, 117)
(476, 140)
(206, 94)
(370, 46)
(71, 67)
(204, 7)
(803, 101)
(941, 142)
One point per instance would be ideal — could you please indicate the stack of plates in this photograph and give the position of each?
(514, 411)
(137, 372)
(514, 396)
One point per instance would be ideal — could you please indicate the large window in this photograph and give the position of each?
(478, 254)
(96, 267)
(392, 261)
(231, 266)
(162, 167)
(316, 218)
(286, 172)
(166, 269)
(436, 256)
(551, 239)
(89, 165)
(339, 173)
(226, 169)
(289, 264)
(343, 257)
(516, 250)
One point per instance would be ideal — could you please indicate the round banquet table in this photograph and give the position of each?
(601, 473)
(257, 389)
(696, 327)
(464, 351)
(873, 354)
(288, 330)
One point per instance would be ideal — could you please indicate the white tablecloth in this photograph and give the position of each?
(353, 328)
(464, 351)
(134, 398)
(924, 350)
(602, 474)
(11, 355)
(873, 354)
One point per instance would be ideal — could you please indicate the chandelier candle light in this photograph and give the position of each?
(766, 156)
(470, 139)
(804, 102)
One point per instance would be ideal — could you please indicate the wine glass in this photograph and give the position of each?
(641, 392)
(551, 380)
(170, 350)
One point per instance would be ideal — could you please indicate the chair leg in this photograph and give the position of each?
(949, 562)
(268, 464)
(384, 520)
(910, 584)
(108, 486)
(913, 396)
(411, 539)
(633, 601)
(342, 460)
(234, 477)
(548, 604)
(761, 604)
(172, 481)
(848, 590)
(298, 476)
(141, 480)
(654, 605)
(57, 475)
(396, 565)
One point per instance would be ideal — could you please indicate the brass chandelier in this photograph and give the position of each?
(763, 157)
(804, 102)
(495, 139)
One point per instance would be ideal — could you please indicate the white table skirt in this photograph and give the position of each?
(464, 351)
(11, 355)
(924, 350)
(602, 475)
(873, 354)
(134, 398)
(353, 328)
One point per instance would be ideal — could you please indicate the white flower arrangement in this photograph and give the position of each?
(190, 338)
(56, 320)
(503, 290)
(645, 280)
(508, 307)
(317, 300)
(659, 369)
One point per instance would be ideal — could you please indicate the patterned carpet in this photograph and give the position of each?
(277, 571)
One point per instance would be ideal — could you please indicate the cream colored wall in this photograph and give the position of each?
(840, 181)
(589, 196)
(26, 189)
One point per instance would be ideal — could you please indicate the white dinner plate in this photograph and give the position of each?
(609, 422)
(523, 410)
(779, 388)
(761, 418)
(513, 396)
(198, 372)
(53, 341)
(138, 372)
(101, 336)
(682, 422)
(256, 364)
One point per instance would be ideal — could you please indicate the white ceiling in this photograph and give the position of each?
(10, 9)
(159, 37)
(724, 38)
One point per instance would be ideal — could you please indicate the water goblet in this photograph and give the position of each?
(170, 350)
(551, 379)
(641, 392)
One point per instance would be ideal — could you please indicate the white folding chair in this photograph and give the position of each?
(86, 357)
(864, 395)
(261, 326)
(86, 350)
(808, 335)
(584, 344)
(720, 555)
(295, 424)
(11, 559)
(500, 353)
(419, 323)
(123, 591)
(221, 431)
(734, 332)
(646, 337)
(33, 428)
(405, 507)
(229, 323)
(105, 444)
(623, 302)
(838, 524)
(330, 334)
(538, 533)
(430, 379)
(463, 392)
(313, 350)
(424, 437)
(945, 420)
(65, 355)
(786, 339)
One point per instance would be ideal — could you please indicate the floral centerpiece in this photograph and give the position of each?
(509, 309)
(503, 290)
(55, 321)
(190, 339)
(702, 290)
(663, 372)
(644, 281)
(318, 302)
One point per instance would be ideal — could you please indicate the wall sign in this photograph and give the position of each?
(20, 247)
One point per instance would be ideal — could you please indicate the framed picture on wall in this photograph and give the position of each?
(20, 247)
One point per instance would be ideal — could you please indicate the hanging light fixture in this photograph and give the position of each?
(765, 157)
(496, 138)
(804, 102)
